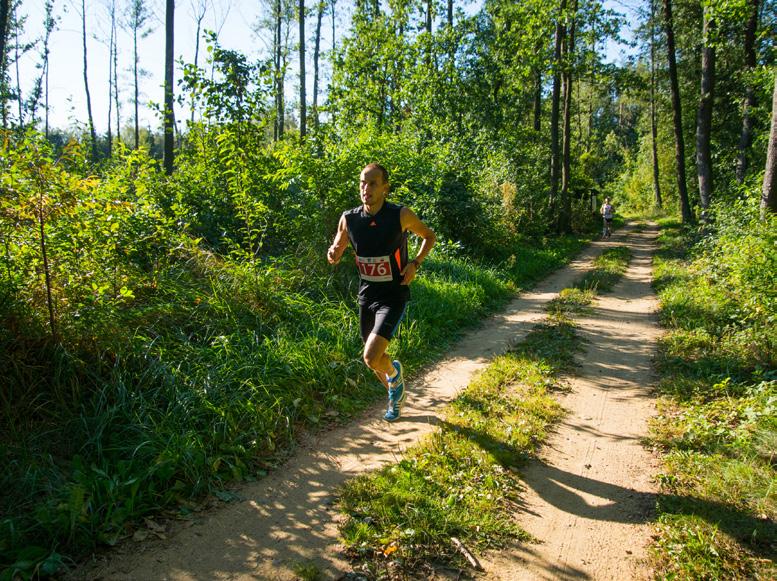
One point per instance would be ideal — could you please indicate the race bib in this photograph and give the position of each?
(374, 268)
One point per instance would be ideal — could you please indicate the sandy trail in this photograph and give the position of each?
(589, 498)
(287, 518)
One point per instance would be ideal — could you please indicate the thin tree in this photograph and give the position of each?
(169, 78)
(685, 207)
(137, 18)
(333, 4)
(316, 54)
(18, 24)
(198, 9)
(565, 206)
(746, 136)
(115, 58)
(555, 169)
(5, 6)
(704, 113)
(92, 134)
(39, 84)
(302, 95)
(48, 24)
(769, 190)
(278, 134)
(428, 28)
(653, 117)
(537, 98)
(111, 76)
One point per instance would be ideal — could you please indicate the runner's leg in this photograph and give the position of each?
(375, 357)
(379, 324)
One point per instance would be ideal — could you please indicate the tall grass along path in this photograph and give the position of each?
(288, 517)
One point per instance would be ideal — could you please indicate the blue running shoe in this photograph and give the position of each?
(396, 395)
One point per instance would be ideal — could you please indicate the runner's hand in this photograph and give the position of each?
(331, 256)
(408, 273)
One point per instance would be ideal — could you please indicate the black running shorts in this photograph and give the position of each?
(381, 318)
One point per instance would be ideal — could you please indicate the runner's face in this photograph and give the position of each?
(372, 187)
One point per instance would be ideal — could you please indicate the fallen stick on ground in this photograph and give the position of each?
(465, 551)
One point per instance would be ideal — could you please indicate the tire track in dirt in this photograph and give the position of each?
(589, 498)
(288, 517)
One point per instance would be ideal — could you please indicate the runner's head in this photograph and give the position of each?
(373, 184)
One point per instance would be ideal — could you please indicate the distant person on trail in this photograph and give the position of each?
(607, 211)
(378, 231)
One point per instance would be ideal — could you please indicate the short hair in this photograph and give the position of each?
(377, 166)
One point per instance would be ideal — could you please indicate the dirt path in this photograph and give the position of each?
(590, 496)
(287, 518)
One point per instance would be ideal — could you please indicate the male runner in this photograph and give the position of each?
(607, 211)
(378, 231)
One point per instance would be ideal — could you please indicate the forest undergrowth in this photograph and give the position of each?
(717, 422)
(162, 338)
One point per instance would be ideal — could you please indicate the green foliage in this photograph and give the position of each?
(197, 322)
(718, 503)
(234, 91)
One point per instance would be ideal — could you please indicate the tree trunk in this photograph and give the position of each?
(428, 28)
(537, 99)
(4, 10)
(334, 27)
(49, 26)
(46, 268)
(169, 79)
(316, 54)
(278, 82)
(555, 170)
(685, 207)
(769, 191)
(200, 17)
(746, 136)
(302, 95)
(92, 133)
(112, 8)
(565, 206)
(704, 114)
(19, 99)
(115, 57)
(653, 120)
(137, 89)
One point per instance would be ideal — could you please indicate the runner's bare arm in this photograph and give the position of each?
(412, 223)
(335, 252)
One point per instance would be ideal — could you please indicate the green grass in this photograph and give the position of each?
(608, 269)
(717, 427)
(462, 481)
(203, 378)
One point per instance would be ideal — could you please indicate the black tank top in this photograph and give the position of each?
(381, 253)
